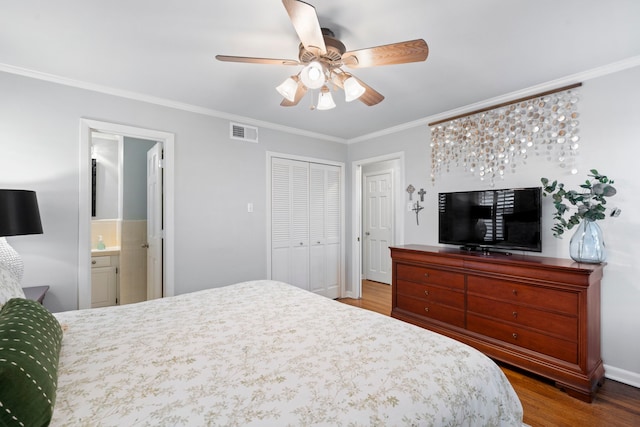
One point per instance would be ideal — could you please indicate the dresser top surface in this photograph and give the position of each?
(499, 257)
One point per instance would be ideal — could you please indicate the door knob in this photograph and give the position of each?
(145, 246)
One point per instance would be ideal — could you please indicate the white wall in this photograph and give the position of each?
(610, 130)
(216, 241)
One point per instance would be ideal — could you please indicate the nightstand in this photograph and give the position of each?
(36, 293)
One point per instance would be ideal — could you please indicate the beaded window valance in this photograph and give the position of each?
(493, 141)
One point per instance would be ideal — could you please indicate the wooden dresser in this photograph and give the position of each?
(537, 313)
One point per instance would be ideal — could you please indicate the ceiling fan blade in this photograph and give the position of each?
(390, 54)
(300, 92)
(305, 21)
(251, 60)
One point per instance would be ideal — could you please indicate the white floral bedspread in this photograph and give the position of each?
(267, 353)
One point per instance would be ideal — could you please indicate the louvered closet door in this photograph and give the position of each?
(290, 222)
(324, 229)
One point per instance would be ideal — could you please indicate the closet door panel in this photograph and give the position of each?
(317, 204)
(324, 192)
(306, 225)
(280, 205)
(333, 232)
(299, 267)
(333, 208)
(290, 222)
(317, 267)
(332, 256)
(299, 203)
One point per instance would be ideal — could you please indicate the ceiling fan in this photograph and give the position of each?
(323, 57)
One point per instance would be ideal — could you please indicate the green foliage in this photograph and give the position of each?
(589, 202)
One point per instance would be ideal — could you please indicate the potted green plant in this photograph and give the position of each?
(585, 207)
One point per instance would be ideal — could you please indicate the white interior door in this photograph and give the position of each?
(377, 226)
(154, 222)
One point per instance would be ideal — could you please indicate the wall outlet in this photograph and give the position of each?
(409, 207)
(249, 207)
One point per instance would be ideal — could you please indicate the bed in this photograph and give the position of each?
(268, 353)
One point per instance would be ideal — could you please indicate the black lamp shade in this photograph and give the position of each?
(19, 213)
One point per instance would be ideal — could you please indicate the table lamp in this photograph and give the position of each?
(19, 215)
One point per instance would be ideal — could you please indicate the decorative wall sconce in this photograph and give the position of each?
(492, 141)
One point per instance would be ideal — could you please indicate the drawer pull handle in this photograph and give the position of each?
(515, 314)
(426, 309)
(515, 336)
(94, 262)
(426, 293)
(426, 274)
(514, 292)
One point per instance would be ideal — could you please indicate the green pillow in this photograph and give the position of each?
(30, 340)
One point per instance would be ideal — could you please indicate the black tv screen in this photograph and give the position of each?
(491, 219)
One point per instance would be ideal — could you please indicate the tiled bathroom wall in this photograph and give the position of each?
(109, 229)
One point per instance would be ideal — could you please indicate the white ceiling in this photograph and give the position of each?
(165, 49)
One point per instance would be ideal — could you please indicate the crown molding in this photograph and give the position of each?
(583, 76)
(162, 102)
(594, 73)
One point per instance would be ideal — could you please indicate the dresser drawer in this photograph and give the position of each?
(522, 337)
(413, 273)
(560, 325)
(443, 313)
(100, 261)
(450, 297)
(521, 293)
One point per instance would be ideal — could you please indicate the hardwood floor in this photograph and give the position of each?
(375, 297)
(615, 404)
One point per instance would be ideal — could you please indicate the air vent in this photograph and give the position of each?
(244, 132)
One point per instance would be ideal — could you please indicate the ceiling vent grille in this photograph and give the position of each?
(243, 132)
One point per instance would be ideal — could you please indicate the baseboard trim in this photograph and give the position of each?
(621, 375)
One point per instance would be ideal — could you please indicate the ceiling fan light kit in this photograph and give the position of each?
(323, 56)
(325, 100)
(313, 75)
(352, 89)
(288, 88)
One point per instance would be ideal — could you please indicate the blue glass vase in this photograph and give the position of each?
(587, 244)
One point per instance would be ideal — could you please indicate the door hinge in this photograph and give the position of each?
(161, 163)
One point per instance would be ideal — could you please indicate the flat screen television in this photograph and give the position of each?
(507, 219)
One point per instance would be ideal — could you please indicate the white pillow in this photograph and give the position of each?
(9, 286)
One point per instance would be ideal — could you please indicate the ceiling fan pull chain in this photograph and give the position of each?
(312, 106)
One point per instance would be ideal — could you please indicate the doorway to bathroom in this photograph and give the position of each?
(126, 220)
(126, 214)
